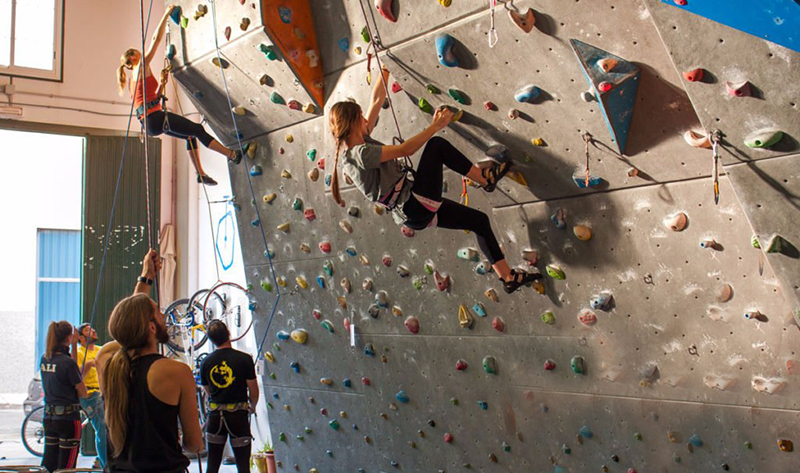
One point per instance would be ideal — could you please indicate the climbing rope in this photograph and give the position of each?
(493, 38)
(114, 201)
(587, 137)
(267, 253)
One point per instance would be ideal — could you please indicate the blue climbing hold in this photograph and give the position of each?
(580, 180)
(350, 251)
(444, 49)
(321, 282)
(696, 440)
(328, 180)
(527, 93)
(586, 432)
(355, 427)
(295, 366)
(401, 396)
(479, 309)
(175, 15)
(329, 453)
(269, 254)
(276, 396)
(255, 222)
(483, 405)
(171, 51)
(256, 170)
(198, 94)
(344, 44)
(252, 305)
(283, 335)
(347, 383)
(285, 14)
(369, 349)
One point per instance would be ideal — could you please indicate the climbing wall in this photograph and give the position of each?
(665, 341)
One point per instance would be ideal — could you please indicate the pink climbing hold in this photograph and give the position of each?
(385, 9)
(387, 261)
(321, 164)
(325, 247)
(448, 437)
(587, 317)
(317, 314)
(365, 381)
(604, 86)
(498, 324)
(281, 151)
(442, 282)
(412, 324)
(461, 365)
(294, 105)
(310, 214)
(681, 2)
(346, 323)
(408, 232)
(738, 89)
(396, 87)
(227, 33)
(549, 365)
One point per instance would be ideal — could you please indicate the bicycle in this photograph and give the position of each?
(184, 315)
(32, 431)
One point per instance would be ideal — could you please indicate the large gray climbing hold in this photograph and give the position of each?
(498, 152)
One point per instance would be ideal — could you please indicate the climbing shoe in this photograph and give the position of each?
(206, 179)
(494, 174)
(237, 156)
(519, 279)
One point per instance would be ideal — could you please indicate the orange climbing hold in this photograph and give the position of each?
(695, 75)
(523, 21)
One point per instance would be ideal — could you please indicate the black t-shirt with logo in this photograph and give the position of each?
(225, 372)
(60, 374)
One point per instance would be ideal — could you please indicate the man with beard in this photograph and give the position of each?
(146, 394)
(85, 356)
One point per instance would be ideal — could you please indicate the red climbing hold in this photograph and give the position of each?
(448, 437)
(549, 365)
(604, 86)
(694, 76)
(489, 106)
(310, 215)
(227, 33)
(294, 105)
(323, 411)
(365, 381)
(412, 324)
(325, 247)
(442, 282)
(461, 365)
(408, 232)
(498, 324)
(396, 87)
(387, 260)
(681, 2)
(738, 89)
(317, 314)
(385, 9)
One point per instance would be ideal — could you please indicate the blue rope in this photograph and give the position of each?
(249, 181)
(113, 211)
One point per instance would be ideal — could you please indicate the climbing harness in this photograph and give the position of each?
(587, 137)
(715, 136)
(493, 38)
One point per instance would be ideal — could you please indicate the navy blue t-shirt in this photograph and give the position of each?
(60, 374)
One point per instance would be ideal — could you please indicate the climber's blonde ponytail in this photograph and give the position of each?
(343, 117)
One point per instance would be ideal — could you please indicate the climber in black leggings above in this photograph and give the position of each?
(377, 172)
(159, 120)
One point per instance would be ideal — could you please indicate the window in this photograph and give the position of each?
(31, 38)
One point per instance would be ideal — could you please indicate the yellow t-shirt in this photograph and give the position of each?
(89, 375)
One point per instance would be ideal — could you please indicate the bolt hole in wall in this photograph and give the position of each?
(41, 195)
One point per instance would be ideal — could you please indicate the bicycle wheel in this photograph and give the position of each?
(180, 318)
(33, 432)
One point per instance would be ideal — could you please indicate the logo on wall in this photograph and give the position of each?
(226, 240)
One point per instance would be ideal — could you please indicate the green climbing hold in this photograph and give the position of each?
(268, 51)
(748, 445)
(489, 365)
(457, 95)
(365, 34)
(269, 405)
(454, 401)
(548, 317)
(578, 365)
(282, 437)
(428, 268)
(277, 98)
(763, 139)
(184, 22)
(432, 89)
(297, 203)
(637, 436)
(299, 437)
(425, 106)
(327, 325)
(566, 449)
(311, 154)
(272, 376)
(328, 267)
(334, 424)
(555, 272)
(417, 283)
(266, 285)
(754, 242)
(506, 447)
(307, 430)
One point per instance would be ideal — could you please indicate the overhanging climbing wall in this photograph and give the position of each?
(692, 365)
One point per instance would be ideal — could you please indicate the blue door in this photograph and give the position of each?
(58, 282)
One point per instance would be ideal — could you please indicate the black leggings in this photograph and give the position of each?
(62, 439)
(177, 127)
(238, 423)
(428, 183)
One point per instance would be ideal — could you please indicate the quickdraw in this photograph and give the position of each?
(715, 136)
(586, 139)
(493, 38)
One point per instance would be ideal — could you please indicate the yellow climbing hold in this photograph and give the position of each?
(309, 108)
(517, 177)
(378, 209)
(538, 287)
(300, 336)
(301, 281)
(465, 319)
(269, 357)
(491, 294)
(284, 227)
(342, 302)
(289, 138)
(268, 198)
(537, 142)
(252, 147)
(286, 174)
(281, 281)
(445, 3)
(457, 115)
(397, 311)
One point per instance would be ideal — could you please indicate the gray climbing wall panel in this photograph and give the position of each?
(656, 361)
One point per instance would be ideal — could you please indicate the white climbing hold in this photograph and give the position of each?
(346, 226)
(367, 284)
(531, 256)
(697, 138)
(768, 385)
(721, 382)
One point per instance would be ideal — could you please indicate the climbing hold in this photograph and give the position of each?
(401, 396)
(310, 214)
(325, 247)
(384, 7)
(283, 335)
(255, 170)
(284, 227)
(513, 114)
(555, 272)
(483, 405)
(269, 357)
(286, 174)
(768, 385)
(299, 335)
(457, 95)
(382, 299)
(607, 64)
(294, 104)
(327, 266)
(722, 382)
(531, 256)
(297, 204)
(489, 364)
(281, 281)
(334, 424)
(587, 96)
(403, 271)
(282, 437)
(465, 319)
(498, 324)
(397, 311)
(444, 49)
(558, 218)
(244, 24)
(345, 283)
(369, 350)
(255, 222)
(296, 367)
(387, 261)
(221, 63)
(373, 311)
(706, 243)
(648, 375)
(425, 106)
(317, 314)
(200, 12)
(448, 437)
(479, 309)
(346, 325)
(579, 178)
(483, 267)
(696, 441)
(587, 317)
(469, 254)
(171, 52)
(268, 198)
(523, 21)
(527, 93)
(367, 284)
(604, 86)
(489, 106)
(276, 98)
(428, 268)
(346, 226)
(549, 365)
(442, 282)
(342, 302)
(578, 365)
(269, 51)
(537, 142)
(412, 324)
(695, 75)
(265, 285)
(601, 301)
(461, 365)
(565, 449)
(344, 44)
(763, 138)
(491, 294)
(738, 89)
(676, 222)
(785, 445)
(548, 317)
(301, 281)
(748, 445)
(582, 232)
(417, 282)
(408, 232)
(586, 432)
(327, 325)
(353, 211)
(753, 314)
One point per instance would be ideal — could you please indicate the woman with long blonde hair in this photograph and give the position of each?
(376, 170)
(63, 388)
(149, 108)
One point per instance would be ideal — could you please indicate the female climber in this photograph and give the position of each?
(376, 170)
(159, 120)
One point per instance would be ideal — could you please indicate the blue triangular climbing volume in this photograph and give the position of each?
(620, 77)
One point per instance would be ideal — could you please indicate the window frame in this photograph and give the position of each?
(57, 73)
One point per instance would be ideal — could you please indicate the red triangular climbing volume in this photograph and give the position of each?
(289, 25)
(618, 101)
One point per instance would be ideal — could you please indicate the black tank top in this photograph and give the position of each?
(152, 443)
